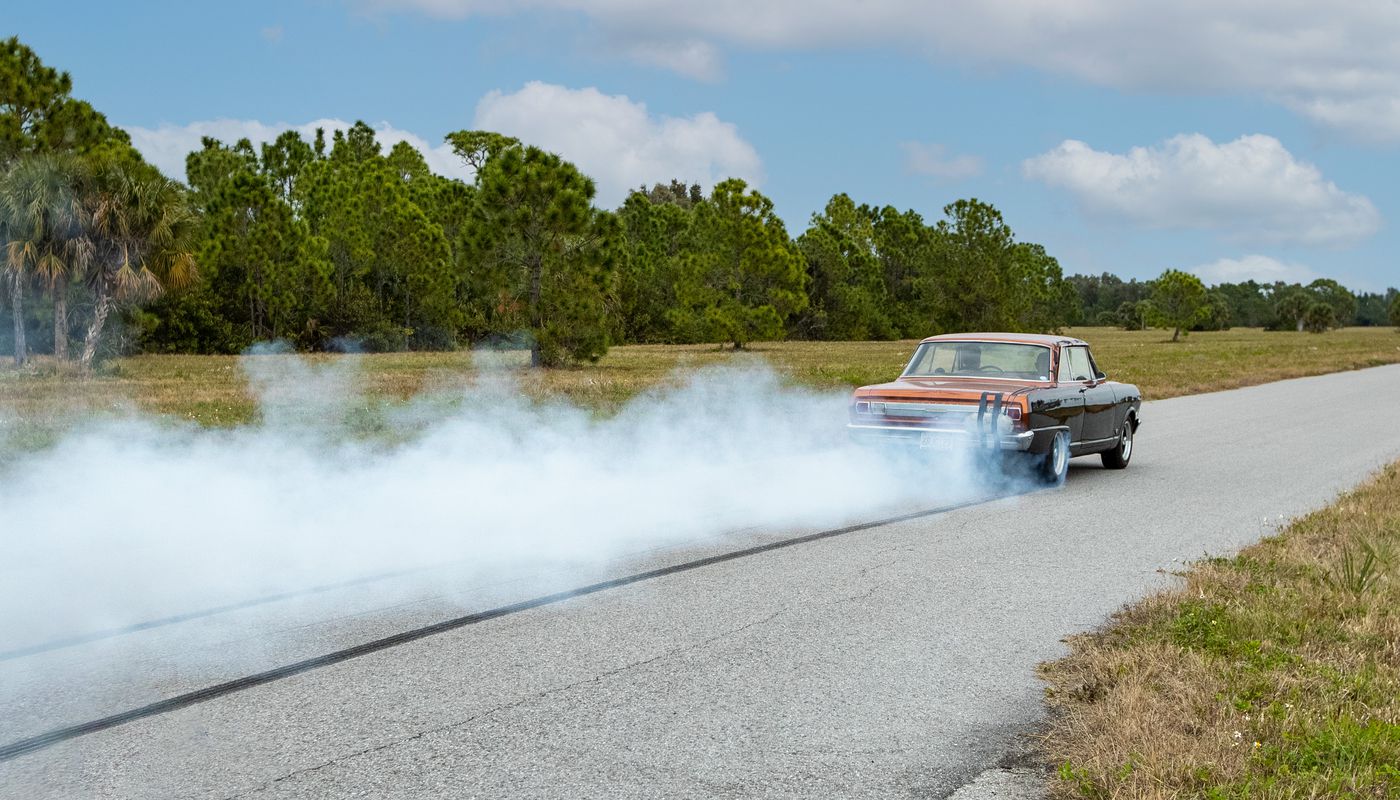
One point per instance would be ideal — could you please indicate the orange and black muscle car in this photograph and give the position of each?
(1033, 397)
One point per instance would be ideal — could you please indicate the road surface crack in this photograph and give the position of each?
(505, 707)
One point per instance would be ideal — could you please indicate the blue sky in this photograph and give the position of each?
(1223, 137)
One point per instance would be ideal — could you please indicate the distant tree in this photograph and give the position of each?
(1041, 300)
(282, 161)
(657, 233)
(214, 164)
(676, 193)
(1372, 307)
(547, 257)
(907, 252)
(845, 287)
(477, 147)
(1132, 316)
(1338, 297)
(1179, 301)
(1395, 310)
(742, 277)
(1248, 303)
(355, 145)
(43, 218)
(392, 262)
(1292, 307)
(973, 283)
(1216, 316)
(1320, 317)
(39, 115)
(271, 274)
(143, 231)
(407, 163)
(1106, 292)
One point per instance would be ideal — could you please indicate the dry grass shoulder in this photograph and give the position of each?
(1274, 674)
(213, 390)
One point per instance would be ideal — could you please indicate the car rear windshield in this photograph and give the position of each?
(981, 360)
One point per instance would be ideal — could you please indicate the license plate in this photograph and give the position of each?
(937, 441)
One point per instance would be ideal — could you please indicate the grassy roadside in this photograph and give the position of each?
(1274, 674)
(212, 390)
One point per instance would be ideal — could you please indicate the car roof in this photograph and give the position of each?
(1018, 338)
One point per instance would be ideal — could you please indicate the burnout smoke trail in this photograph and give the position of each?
(138, 521)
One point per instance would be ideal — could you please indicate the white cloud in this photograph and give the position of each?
(167, 145)
(1250, 189)
(933, 160)
(617, 141)
(272, 33)
(693, 58)
(1335, 63)
(1253, 268)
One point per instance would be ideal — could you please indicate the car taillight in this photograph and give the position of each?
(1014, 412)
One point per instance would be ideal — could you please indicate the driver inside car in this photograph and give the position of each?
(969, 360)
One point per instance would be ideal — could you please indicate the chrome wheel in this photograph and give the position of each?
(1061, 458)
(1056, 464)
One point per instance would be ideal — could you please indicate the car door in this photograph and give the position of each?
(1099, 400)
(1063, 404)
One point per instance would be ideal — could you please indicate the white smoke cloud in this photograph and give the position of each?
(175, 519)
(617, 141)
(1249, 189)
(1335, 63)
(167, 145)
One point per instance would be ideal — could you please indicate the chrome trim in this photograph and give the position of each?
(915, 436)
(923, 409)
(1083, 442)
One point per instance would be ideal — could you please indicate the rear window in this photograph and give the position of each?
(980, 360)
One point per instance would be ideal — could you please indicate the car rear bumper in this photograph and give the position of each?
(940, 438)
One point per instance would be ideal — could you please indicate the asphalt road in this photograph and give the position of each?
(894, 661)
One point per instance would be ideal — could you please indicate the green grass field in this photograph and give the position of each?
(212, 390)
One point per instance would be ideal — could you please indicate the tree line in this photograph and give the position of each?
(1189, 304)
(335, 243)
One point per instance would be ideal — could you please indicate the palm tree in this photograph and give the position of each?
(17, 310)
(46, 234)
(142, 229)
(14, 270)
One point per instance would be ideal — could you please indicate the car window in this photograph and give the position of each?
(980, 359)
(1094, 366)
(1079, 367)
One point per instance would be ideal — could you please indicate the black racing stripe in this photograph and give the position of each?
(53, 737)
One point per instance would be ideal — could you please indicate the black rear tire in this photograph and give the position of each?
(1122, 453)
